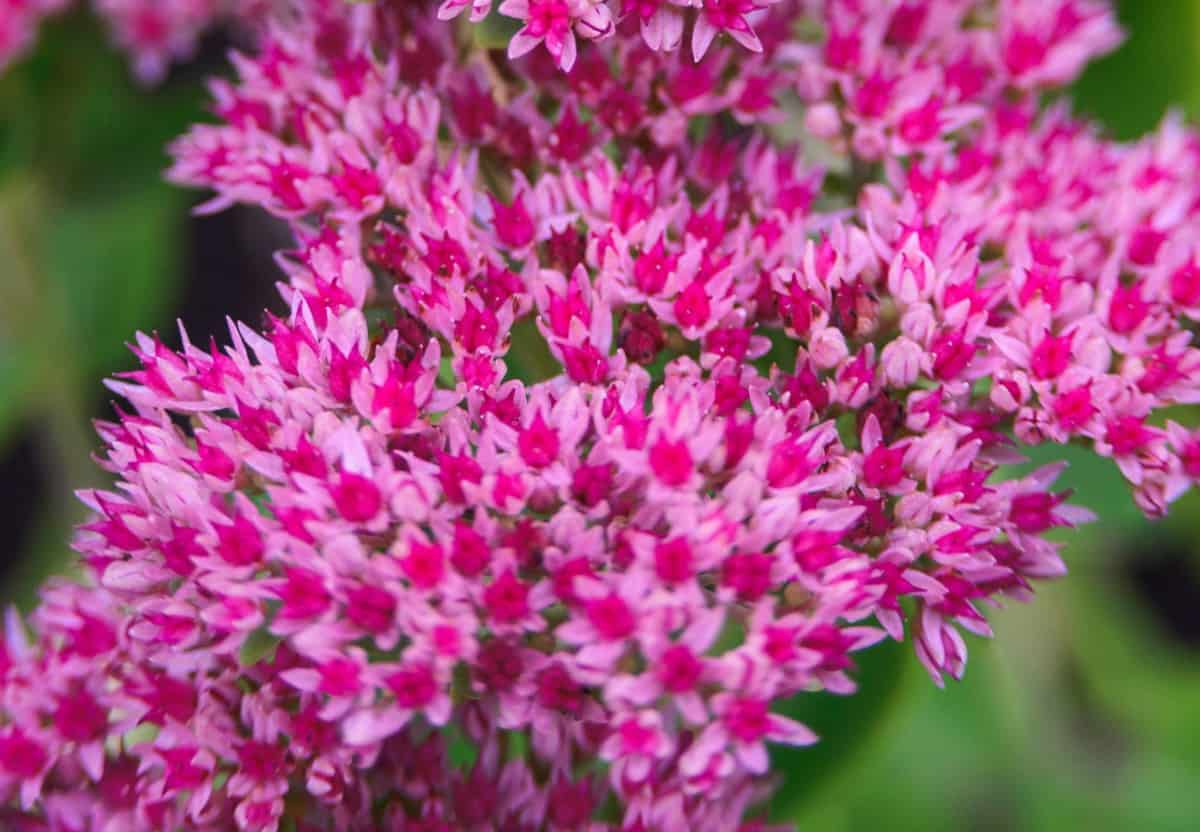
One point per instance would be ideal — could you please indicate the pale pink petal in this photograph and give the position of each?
(703, 33)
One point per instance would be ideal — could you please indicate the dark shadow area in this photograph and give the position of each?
(24, 493)
(229, 271)
(1161, 574)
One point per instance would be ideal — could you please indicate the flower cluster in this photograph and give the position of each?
(603, 420)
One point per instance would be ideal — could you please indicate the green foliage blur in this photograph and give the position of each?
(1084, 713)
(91, 250)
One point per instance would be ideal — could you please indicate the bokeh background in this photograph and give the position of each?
(1084, 713)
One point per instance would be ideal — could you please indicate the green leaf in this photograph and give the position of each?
(16, 384)
(1155, 69)
(93, 127)
(461, 753)
(18, 136)
(262, 502)
(113, 265)
(446, 372)
(529, 359)
(259, 646)
(515, 745)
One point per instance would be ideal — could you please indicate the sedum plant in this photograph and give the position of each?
(641, 365)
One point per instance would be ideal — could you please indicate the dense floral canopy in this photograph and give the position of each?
(634, 377)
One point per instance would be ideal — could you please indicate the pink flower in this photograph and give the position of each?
(555, 22)
(743, 725)
(728, 16)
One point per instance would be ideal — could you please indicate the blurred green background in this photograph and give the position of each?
(1084, 713)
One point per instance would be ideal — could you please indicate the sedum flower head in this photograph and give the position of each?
(603, 420)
